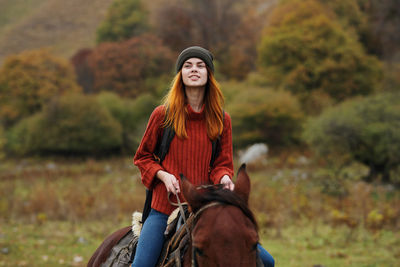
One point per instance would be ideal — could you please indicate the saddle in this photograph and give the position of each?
(175, 245)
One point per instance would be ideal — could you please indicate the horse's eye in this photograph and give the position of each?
(199, 252)
(254, 247)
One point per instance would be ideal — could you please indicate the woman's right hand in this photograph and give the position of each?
(169, 180)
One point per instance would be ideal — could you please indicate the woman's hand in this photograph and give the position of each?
(227, 182)
(169, 180)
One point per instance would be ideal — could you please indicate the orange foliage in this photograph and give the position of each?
(29, 80)
(305, 49)
(129, 68)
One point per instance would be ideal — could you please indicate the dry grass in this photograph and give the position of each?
(284, 192)
(54, 190)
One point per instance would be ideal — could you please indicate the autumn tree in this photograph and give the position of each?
(84, 74)
(229, 28)
(29, 80)
(125, 19)
(131, 67)
(351, 16)
(174, 26)
(305, 50)
(384, 25)
(376, 25)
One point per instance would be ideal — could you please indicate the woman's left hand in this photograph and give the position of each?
(227, 182)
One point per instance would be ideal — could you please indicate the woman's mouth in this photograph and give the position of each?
(194, 77)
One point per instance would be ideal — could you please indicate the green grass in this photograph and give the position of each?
(300, 247)
(68, 244)
(52, 243)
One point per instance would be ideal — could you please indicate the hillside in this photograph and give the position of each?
(65, 26)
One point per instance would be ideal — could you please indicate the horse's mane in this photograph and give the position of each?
(225, 196)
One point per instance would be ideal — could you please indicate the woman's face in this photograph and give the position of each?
(194, 73)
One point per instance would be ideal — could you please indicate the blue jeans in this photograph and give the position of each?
(266, 258)
(151, 242)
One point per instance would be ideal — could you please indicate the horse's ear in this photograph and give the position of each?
(242, 185)
(192, 196)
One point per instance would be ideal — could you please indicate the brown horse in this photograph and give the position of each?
(223, 230)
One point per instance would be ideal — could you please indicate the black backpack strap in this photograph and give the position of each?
(163, 147)
(216, 147)
(147, 205)
(160, 152)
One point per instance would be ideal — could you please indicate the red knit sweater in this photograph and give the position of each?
(190, 156)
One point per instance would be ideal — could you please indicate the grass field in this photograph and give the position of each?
(299, 247)
(69, 244)
(56, 213)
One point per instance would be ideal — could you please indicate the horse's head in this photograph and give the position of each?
(224, 231)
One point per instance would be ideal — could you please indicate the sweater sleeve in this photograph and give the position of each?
(144, 158)
(224, 162)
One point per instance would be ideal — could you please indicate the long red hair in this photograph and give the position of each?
(175, 102)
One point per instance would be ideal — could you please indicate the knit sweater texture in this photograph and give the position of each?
(190, 156)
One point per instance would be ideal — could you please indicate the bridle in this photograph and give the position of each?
(180, 204)
(194, 218)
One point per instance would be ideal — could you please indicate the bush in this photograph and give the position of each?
(264, 115)
(22, 138)
(72, 124)
(305, 49)
(132, 67)
(131, 114)
(364, 130)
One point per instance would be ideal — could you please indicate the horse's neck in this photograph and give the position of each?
(187, 258)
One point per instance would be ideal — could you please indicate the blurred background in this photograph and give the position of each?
(312, 86)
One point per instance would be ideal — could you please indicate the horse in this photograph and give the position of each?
(222, 231)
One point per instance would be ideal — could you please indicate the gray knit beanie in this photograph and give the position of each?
(197, 52)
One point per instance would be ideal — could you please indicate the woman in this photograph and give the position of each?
(194, 108)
